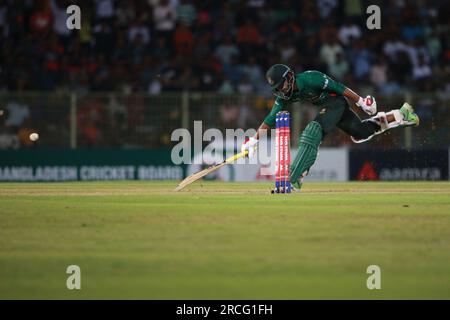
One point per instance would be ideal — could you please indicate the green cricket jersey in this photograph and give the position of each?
(313, 86)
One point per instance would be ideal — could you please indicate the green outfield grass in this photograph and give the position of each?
(224, 240)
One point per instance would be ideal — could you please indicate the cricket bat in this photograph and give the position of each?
(198, 175)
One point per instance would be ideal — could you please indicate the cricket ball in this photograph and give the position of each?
(34, 136)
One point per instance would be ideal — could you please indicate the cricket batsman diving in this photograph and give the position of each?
(331, 99)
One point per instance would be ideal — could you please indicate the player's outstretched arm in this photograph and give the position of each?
(251, 143)
(261, 130)
(269, 122)
(368, 104)
(321, 81)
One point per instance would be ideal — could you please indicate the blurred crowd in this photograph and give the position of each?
(154, 46)
(226, 46)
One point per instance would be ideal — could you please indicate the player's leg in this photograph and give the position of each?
(410, 118)
(361, 131)
(357, 129)
(329, 115)
(308, 147)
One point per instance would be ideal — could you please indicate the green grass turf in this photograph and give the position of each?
(224, 240)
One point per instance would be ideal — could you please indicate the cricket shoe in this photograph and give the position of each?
(409, 117)
(296, 187)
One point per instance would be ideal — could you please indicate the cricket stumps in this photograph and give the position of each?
(282, 153)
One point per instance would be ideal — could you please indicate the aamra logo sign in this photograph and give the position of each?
(367, 172)
(390, 165)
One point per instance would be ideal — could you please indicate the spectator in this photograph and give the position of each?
(138, 49)
(161, 49)
(105, 9)
(121, 49)
(326, 7)
(8, 139)
(41, 20)
(104, 38)
(421, 70)
(401, 68)
(362, 60)
(417, 49)
(60, 17)
(229, 115)
(287, 51)
(233, 71)
(226, 50)
(17, 113)
(244, 85)
(254, 73)
(309, 54)
(202, 49)
(226, 86)
(284, 11)
(155, 86)
(183, 40)
(139, 29)
(413, 30)
(125, 13)
(330, 50)
(289, 29)
(393, 46)
(390, 87)
(434, 46)
(340, 68)
(248, 34)
(164, 17)
(310, 18)
(186, 12)
(348, 32)
(89, 122)
(378, 73)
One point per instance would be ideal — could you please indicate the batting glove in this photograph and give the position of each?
(368, 104)
(250, 144)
